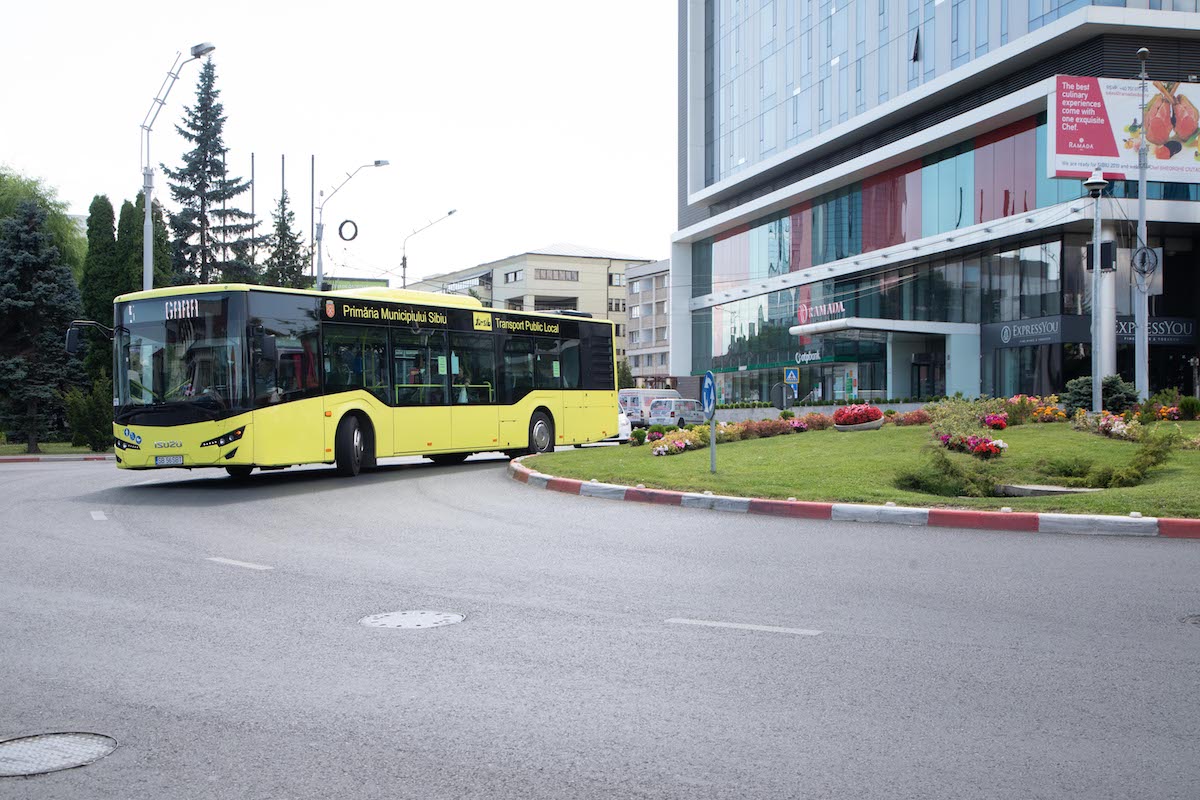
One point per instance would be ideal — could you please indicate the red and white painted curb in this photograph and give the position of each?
(45, 458)
(1029, 522)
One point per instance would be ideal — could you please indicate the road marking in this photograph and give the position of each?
(233, 563)
(744, 627)
(98, 516)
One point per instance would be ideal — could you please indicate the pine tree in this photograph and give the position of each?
(207, 231)
(38, 300)
(289, 258)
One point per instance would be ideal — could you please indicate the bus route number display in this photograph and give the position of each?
(183, 308)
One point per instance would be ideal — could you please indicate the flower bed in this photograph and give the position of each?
(918, 417)
(996, 422)
(856, 415)
(980, 446)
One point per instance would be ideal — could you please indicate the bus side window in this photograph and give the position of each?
(569, 364)
(518, 369)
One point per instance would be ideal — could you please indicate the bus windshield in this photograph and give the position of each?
(180, 359)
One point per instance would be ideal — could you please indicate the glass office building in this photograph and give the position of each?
(872, 204)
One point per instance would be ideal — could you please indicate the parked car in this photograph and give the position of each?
(636, 403)
(676, 411)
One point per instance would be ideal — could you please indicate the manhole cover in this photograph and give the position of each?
(50, 752)
(411, 619)
(1191, 619)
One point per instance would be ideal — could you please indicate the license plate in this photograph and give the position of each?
(168, 461)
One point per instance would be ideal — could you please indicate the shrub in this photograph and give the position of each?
(90, 415)
(786, 414)
(637, 437)
(945, 476)
(1166, 397)
(765, 428)
(1116, 395)
(917, 417)
(1189, 408)
(658, 429)
(1067, 467)
(817, 422)
(856, 414)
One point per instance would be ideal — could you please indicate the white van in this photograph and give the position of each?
(672, 412)
(636, 403)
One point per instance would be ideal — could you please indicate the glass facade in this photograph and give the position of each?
(778, 72)
(993, 176)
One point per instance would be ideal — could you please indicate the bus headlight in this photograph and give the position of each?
(224, 439)
(121, 444)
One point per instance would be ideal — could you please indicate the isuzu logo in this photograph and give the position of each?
(166, 445)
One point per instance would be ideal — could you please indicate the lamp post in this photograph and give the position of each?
(1095, 186)
(404, 247)
(1144, 261)
(321, 218)
(160, 99)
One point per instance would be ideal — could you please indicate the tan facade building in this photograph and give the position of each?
(561, 277)
(649, 311)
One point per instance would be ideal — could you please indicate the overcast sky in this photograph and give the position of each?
(540, 121)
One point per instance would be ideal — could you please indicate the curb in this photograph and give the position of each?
(37, 459)
(1021, 521)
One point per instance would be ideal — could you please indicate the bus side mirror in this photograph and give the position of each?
(72, 340)
(267, 349)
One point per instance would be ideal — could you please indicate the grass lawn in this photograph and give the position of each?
(50, 449)
(861, 467)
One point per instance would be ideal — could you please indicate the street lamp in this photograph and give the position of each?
(160, 99)
(1095, 186)
(404, 247)
(1144, 261)
(321, 218)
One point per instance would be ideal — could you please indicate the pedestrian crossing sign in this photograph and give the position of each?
(791, 375)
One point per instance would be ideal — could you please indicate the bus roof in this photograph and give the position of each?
(380, 293)
(377, 293)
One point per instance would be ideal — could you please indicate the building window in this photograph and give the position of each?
(662, 282)
(620, 330)
(616, 279)
(634, 336)
(662, 359)
(616, 304)
(514, 276)
(556, 274)
(660, 334)
(660, 307)
(635, 287)
(635, 312)
(635, 361)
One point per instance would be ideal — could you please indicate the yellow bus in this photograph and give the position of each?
(243, 377)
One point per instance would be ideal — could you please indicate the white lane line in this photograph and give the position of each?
(98, 516)
(744, 627)
(233, 563)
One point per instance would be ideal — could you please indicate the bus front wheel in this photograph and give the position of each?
(541, 434)
(348, 447)
(239, 473)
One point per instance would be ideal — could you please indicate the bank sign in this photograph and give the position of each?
(1096, 123)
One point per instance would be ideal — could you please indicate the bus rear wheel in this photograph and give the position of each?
(541, 433)
(239, 473)
(348, 447)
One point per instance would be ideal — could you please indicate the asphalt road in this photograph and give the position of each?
(955, 664)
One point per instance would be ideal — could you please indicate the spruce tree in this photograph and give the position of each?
(66, 236)
(288, 259)
(208, 230)
(130, 235)
(38, 300)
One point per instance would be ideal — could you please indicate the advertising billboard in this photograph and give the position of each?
(1096, 123)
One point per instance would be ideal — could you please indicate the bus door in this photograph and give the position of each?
(474, 397)
(422, 374)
